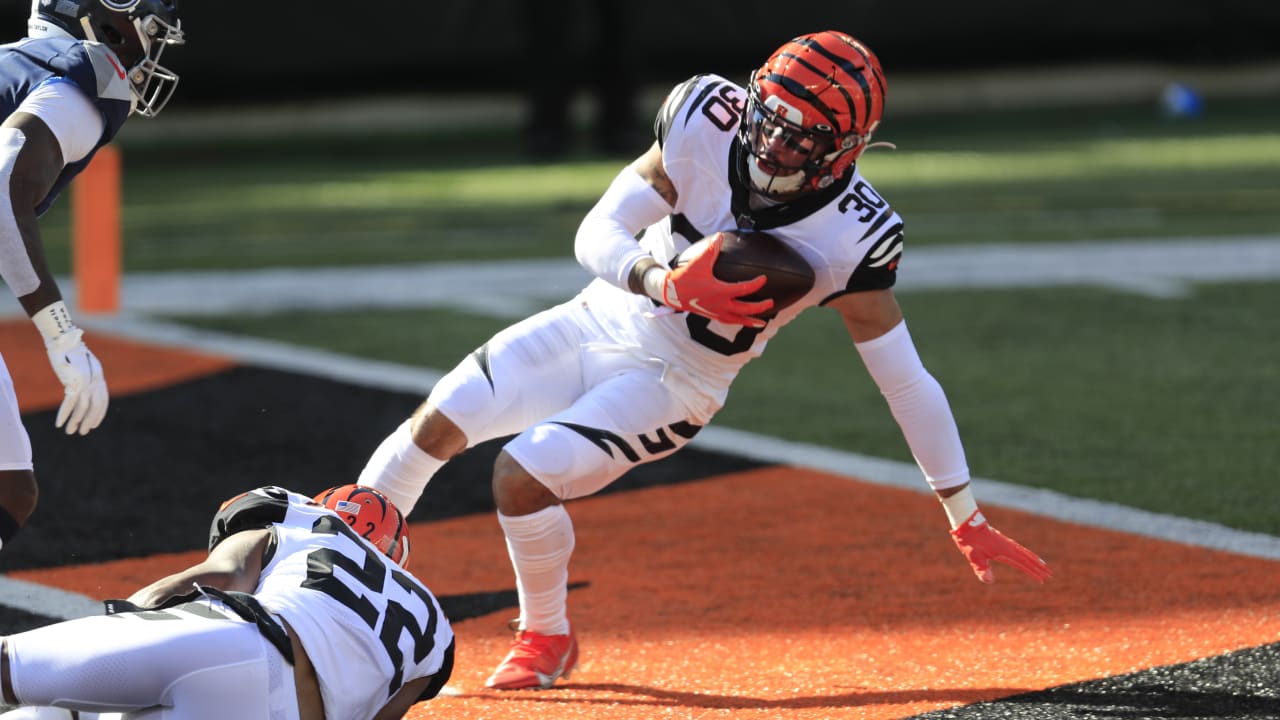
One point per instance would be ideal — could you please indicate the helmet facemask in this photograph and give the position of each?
(784, 156)
(153, 84)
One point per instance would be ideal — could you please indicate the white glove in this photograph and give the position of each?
(85, 402)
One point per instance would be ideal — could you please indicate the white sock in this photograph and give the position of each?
(540, 545)
(400, 469)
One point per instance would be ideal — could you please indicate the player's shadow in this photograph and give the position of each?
(643, 696)
(473, 605)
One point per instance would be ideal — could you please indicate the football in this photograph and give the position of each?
(749, 254)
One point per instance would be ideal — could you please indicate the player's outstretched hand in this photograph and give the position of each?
(85, 401)
(693, 287)
(981, 544)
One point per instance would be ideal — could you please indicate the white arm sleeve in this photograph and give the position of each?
(15, 264)
(606, 240)
(77, 125)
(71, 116)
(919, 405)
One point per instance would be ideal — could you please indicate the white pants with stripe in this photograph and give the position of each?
(585, 408)
(191, 662)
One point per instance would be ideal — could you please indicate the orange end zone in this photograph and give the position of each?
(130, 367)
(785, 593)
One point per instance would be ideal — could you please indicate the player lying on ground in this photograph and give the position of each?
(293, 616)
(628, 371)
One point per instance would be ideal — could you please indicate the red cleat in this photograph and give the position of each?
(535, 661)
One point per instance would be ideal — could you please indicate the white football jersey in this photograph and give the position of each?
(848, 233)
(368, 626)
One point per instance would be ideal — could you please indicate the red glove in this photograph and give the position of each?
(982, 543)
(693, 287)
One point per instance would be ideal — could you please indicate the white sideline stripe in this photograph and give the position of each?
(45, 600)
(270, 354)
(1048, 503)
(401, 378)
(516, 288)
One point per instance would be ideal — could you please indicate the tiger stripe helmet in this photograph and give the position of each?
(372, 516)
(822, 94)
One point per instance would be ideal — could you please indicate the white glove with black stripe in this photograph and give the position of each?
(85, 403)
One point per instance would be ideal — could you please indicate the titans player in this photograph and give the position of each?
(65, 91)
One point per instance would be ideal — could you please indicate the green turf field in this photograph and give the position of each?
(1163, 404)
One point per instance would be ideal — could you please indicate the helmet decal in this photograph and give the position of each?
(785, 111)
(372, 516)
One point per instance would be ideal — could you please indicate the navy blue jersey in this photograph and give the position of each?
(29, 63)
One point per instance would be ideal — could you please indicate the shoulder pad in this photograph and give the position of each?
(687, 96)
(113, 82)
(258, 508)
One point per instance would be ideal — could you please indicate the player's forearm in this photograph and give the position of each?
(646, 278)
(22, 263)
(234, 565)
(36, 288)
(920, 407)
(26, 180)
(606, 241)
(181, 583)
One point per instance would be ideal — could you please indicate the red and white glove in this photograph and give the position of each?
(980, 543)
(693, 287)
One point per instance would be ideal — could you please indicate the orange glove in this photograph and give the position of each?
(693, 287)
(982, 543)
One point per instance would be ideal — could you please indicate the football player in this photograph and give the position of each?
(630, 369)
(301, 611)
(85, 66)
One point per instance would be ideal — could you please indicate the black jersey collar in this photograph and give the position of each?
(775, 215)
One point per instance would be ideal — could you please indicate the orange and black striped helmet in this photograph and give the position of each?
(372, 515)
(821, 94)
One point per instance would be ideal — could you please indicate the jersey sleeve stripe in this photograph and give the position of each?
(697, 102)
(887, 251)
(676, 100)
(879, 221)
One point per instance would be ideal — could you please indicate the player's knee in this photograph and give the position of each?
(515, 491)
(436, 434)
(18, 494)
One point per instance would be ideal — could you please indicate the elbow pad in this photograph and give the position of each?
(606, 241)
